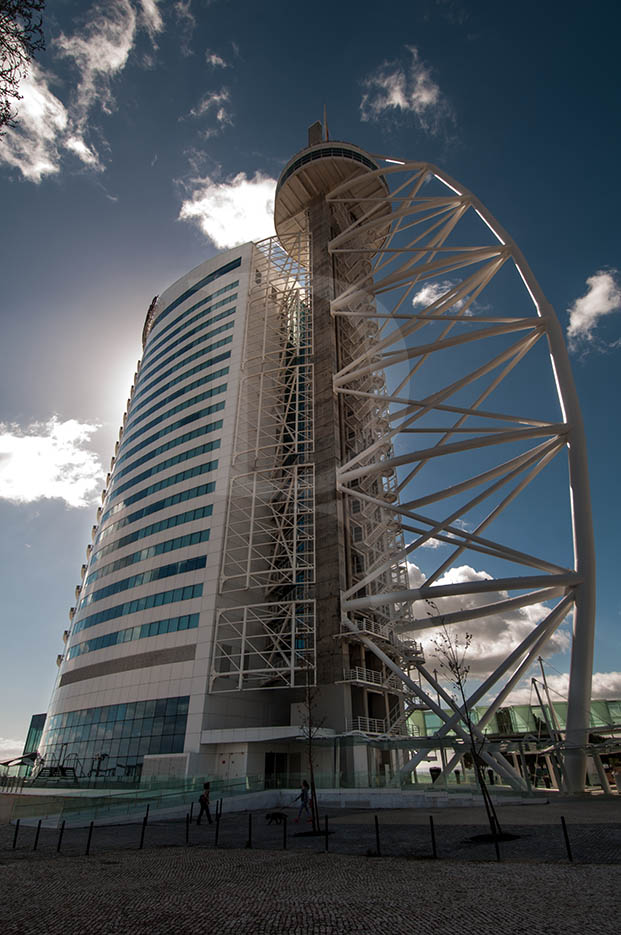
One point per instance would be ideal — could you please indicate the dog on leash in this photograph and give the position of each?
(275, 818)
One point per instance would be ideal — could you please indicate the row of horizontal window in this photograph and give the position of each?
(160, 548)
(155, 707)
(119, 730)
(154, 380)
(186, 593)
(144, 577)
(164, 400)
(215, 407)
(162, 387)
(185, 337)
(166, 334)
(169, 523)
(205, 468)
(227, 268)
(141, 632)
(174, 459)
(171, 500)
(122, 757)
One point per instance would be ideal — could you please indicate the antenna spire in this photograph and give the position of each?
(325, 124)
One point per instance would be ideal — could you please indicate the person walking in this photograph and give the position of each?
(304, 798)
(204, 803)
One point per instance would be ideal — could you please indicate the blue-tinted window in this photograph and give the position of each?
(144, 577)
(157, 628)
(169, 462)
(164, 400)
(161, 484)
(162, 387)
(166, 334)
(192, 417)
(181, 350)
(169, 523)
(112, 741)
(160, 548)
(140, 603)
(171, 500)
(155, 380)
(228, 268)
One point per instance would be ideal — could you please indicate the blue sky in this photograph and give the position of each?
(150, 136)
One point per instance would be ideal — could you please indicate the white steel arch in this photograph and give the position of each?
(446, 368)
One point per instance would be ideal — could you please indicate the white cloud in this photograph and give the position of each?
(233, 211)
(493, 638)
(78, 146)
(49, 460)
(606, 687)
(186, 25)
(216, 61)
(33, 147)
(10, 748)
(49, 129)
(432, 291)
(603, 297)
(151, 17)
(394, 89)
(214, 102)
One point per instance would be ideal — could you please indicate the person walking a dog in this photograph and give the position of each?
(304, 798)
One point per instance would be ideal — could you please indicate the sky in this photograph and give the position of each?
(151, 135)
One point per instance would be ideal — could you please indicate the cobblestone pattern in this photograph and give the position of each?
(198, 890)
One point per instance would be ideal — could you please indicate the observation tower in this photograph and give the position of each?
(339, 442)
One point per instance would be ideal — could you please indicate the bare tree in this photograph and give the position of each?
(452, 652)
(310, 727)
(21, 36)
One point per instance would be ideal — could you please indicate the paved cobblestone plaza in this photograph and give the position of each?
(170, 887)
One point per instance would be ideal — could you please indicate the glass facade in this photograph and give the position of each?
(186, 360)
(162, 401)
(184, 337)
(171, 334)
(189, 516)
(160, 548)
(140, 603)
(198, 368)
(145, 630)
(170, 462)
(171, 500)
(113, 740)
(162, 484)
(173, 443)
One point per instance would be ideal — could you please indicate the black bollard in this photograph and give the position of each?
(434, 850)
(36, 840)
(60, 836)
(249, 841)
(377, 838)
(144, 826)
(325, 820)
(187, 828)
(217, 828)
(496, 846)
(191, 810)
(16, 833)
(88, 842)
(566, 836)
(284, 834)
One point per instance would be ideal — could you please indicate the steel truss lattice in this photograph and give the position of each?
(448, 367)
(268, 568)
